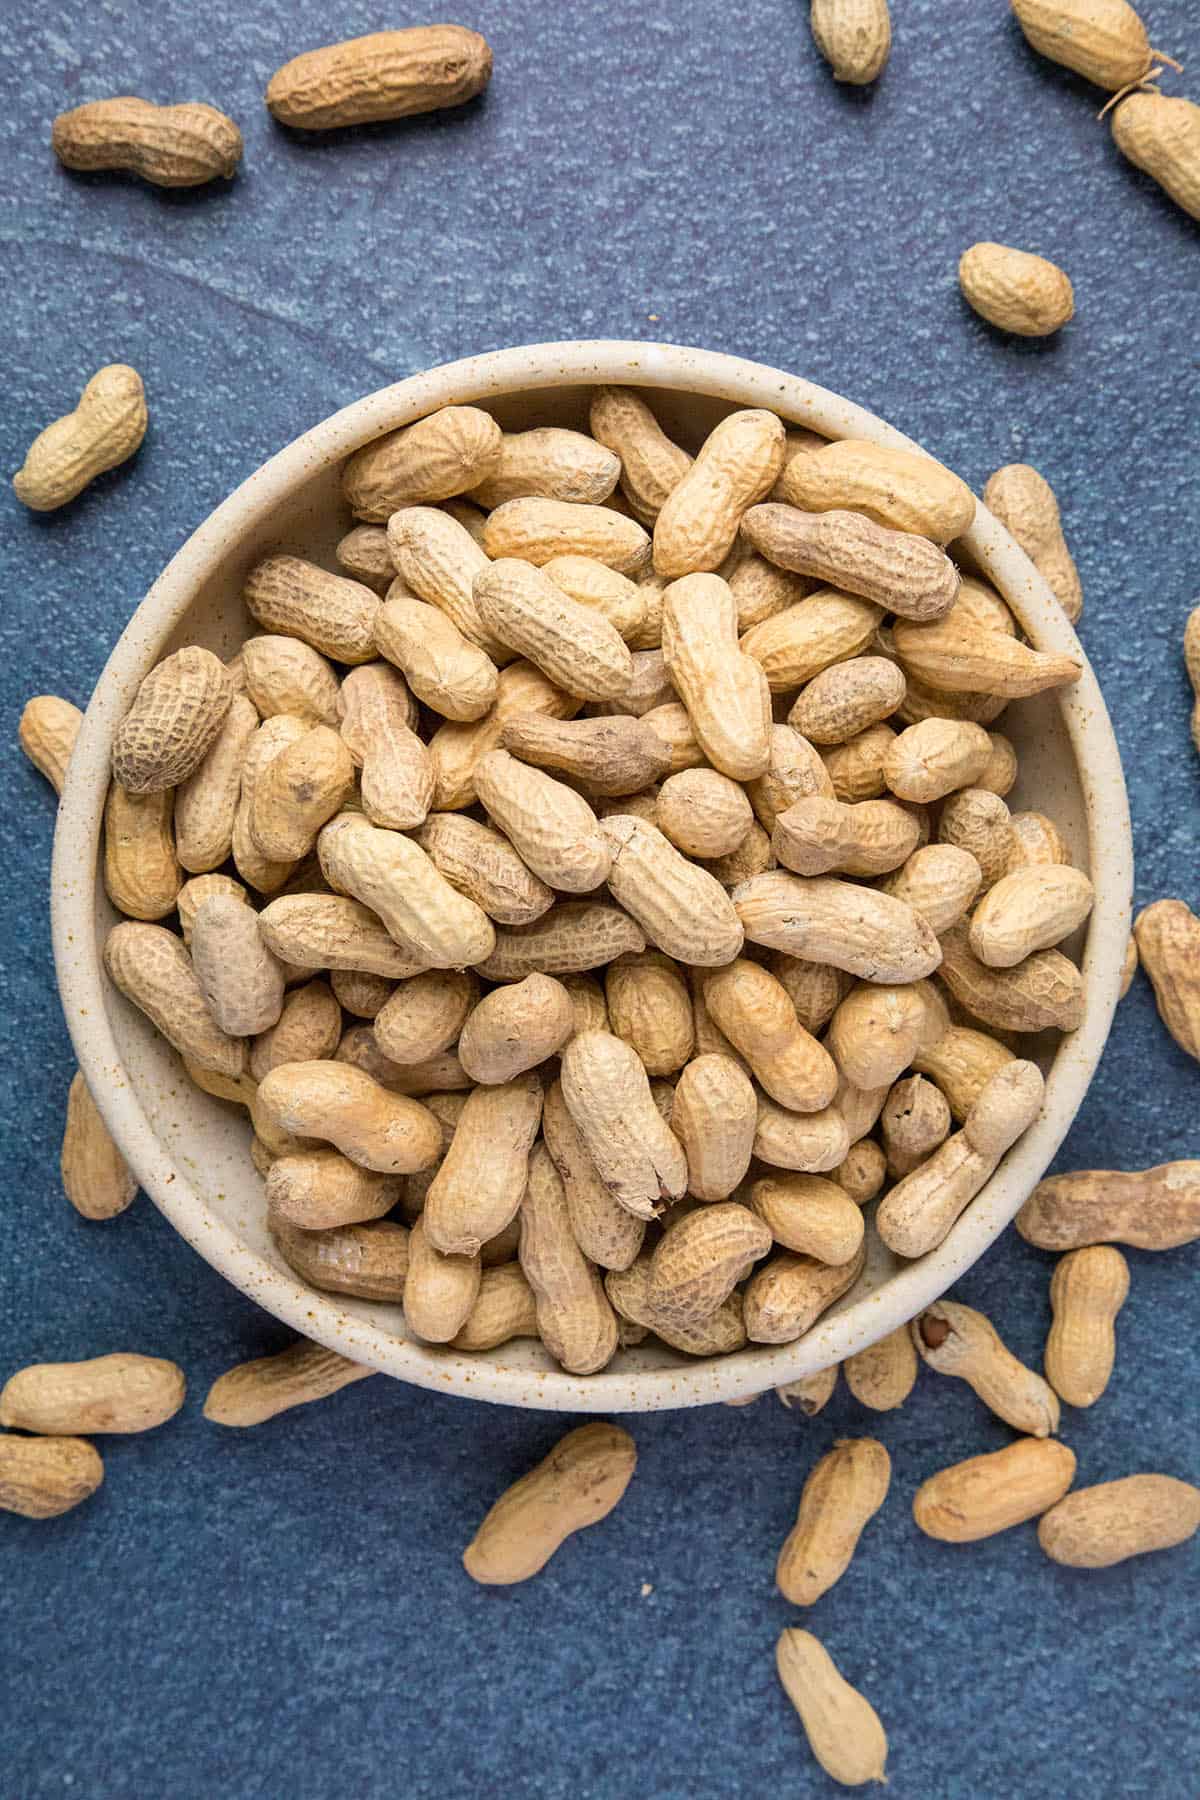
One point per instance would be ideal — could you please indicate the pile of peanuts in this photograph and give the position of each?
(642, 773)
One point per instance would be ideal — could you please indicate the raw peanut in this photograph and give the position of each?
(448, 1110)
(397, 775)
(861, 1172)
(42, 1478)
(343, 1106)
(1129, 967)
(1095, 1527)
(574, 1318)
(843, 1728)
(979, 822)
(737, 466)
(206, 803)
(307, 1030)
(956, 1340)
(177, 712)
(648, 636)
(1087, 1291)
(598, 588)
(797, 443)
(438, 559)
(393, 876)
(331, 931)
(789, 1293)
(386, 75)
(120, 1393)
(856, 768)
(721, 1332)
(1000, 771)
(605, 1232)
(104, 430)
(457, 750)
(447, 453)
(171, 146)
(295, 793)
(154, 971)
(919, 1211)
(649, 687)
(365, 556)
(553, 828)
(955, 656)
(574, 646)
(1014, 290)
(573, 935)
(986, 1494)
(142, 876)
(437, 1075)
(710, 1039)
(649, 1007)
(535, 531)
(1033, 909)
(939, 881)
(607, 1093)
(359, 993)
(1162, 136)
(924, 702)
(1168, 943)
(682, 908)
(239, 976)
(651, 465)
(1103, 40)
(47, 733)
(239, 1090)
(843, 1493)
(859, 1107)
(809, 1215)
(95, 1177)
(1036, 839)
(1024, 501)
(700, 1261)
(481, 864)
(424, 1015)
(846, 550)
(794, 771)
(335, 616)
(577, 1485)
(321, 1189)
(285, 676)
(638, 806)
(714, 1116)
(824, 920)
(504, 1309)
(882, 1375)
(725, 692)
(930, 760)
(673, 728)
(816, 835)
(1150, 1209)
(979, 604)
(811, 1393)
(615, 755)
(704, 814)
(553, 465)
(760, 590)
(1044, 992)
(878, 1029)
(854, 37)
(440, 1291)
(844, 700)
(478, 1188)
(962, 1062)
(915, 1120)
(369, 1262)
(754, 1012)
(902, 490)
(751, 857)
(588, 1005)
(254, 1392)
(514, 1028)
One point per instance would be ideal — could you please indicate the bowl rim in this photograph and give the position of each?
(480, 379)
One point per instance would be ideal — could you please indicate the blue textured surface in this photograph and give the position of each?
(282, 1612)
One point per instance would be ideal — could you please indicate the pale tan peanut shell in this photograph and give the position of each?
(446, 670)
(862, 1171)
(794, 770)
(106, 427)
(285, 676)
(810, 1215)
(987, 1494)
(915, 1120)
(575, 1320)
(736, 467)
(596, 587)
(613, 755)
(332, 614)
(483, 865)
(1045, 991)
(797, 442)
(1129, 966)
(1087, 1291)
(753, 1011)
(576, 1485)
(956, 1340)
(457, 749)
(673, 728)
(608, 1096)
(905, 574)
(714, 1116)
(47, 732)
(1034, 909)
(930, 760)
(363, 553)
(843, 1728)
(504, 1309)
(725, 691)
(142, 876)
(606, 1233)
(900, 489)
(978, 821)
(878, 1029)
(41, 1478)
(206, 803)
(699, 1262)
(437, 559)
(359, 993)
(787, 1296)
(1095, 1527)
(1014, 290)
(241, 979)
(854, 37)
(704, 813)
(574, 646)
(447, 1109)
(651, 465)
(649, 687)
(1036, 839)
(883, 1375)
(442, 1074)
(514, 1028)
(307, 1030)
(1161, 135)
(552, 464)
(1000, 771)
(856, 768)
(1150, 1209)
(760, 590)
(397, 776)
(710, 1039)
(573, 936)
(154, 971)
(177, 712)
(447, 453)
(440, 1291)
(119, 1393)
(956, 656)
(1103, 40)
(924, 702)
(254, 1392)
(821, 919)
(424, 1014)
(649, 1006)
(717, 1335)
(1168, 943)
(332, 931)
(536, 530)
(844, 700)
(860, 1107)
(297, 791)
(478, 1188)
(369, 1262)
(638, 806)
(842, 1494)
(939, 881)
(682, 908)
(751, 857)
(170, 146)
(869, 838)
(320, 1189)
(386, 75)
(810, 1394)
(393, 876)
(553, 828)
(1024, 501)
(95, 1177)
(648, 636)
(332, 1101)
(588, 1005)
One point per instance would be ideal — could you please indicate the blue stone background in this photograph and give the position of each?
(282, 1612)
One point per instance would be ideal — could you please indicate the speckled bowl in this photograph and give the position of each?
(190, 1151)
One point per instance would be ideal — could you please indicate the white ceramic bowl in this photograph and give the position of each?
(190, 1151)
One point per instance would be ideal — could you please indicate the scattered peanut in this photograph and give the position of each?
(44, 1477)
(1168, 948)
(259, 1390)
(1087, 1291)
(119, 1393)
(1150, 1209)
(1103, 40)
(576, 1485)
(956, 1340)
(47, 732)
(1014, 290)
(171, 146)
(1095, 1527)
(986, 1494)
(1162, 136)
(842, 1727)
(844, 1492)
(104, 430)
(386, 75)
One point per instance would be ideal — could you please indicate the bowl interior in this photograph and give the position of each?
(190, 1150)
